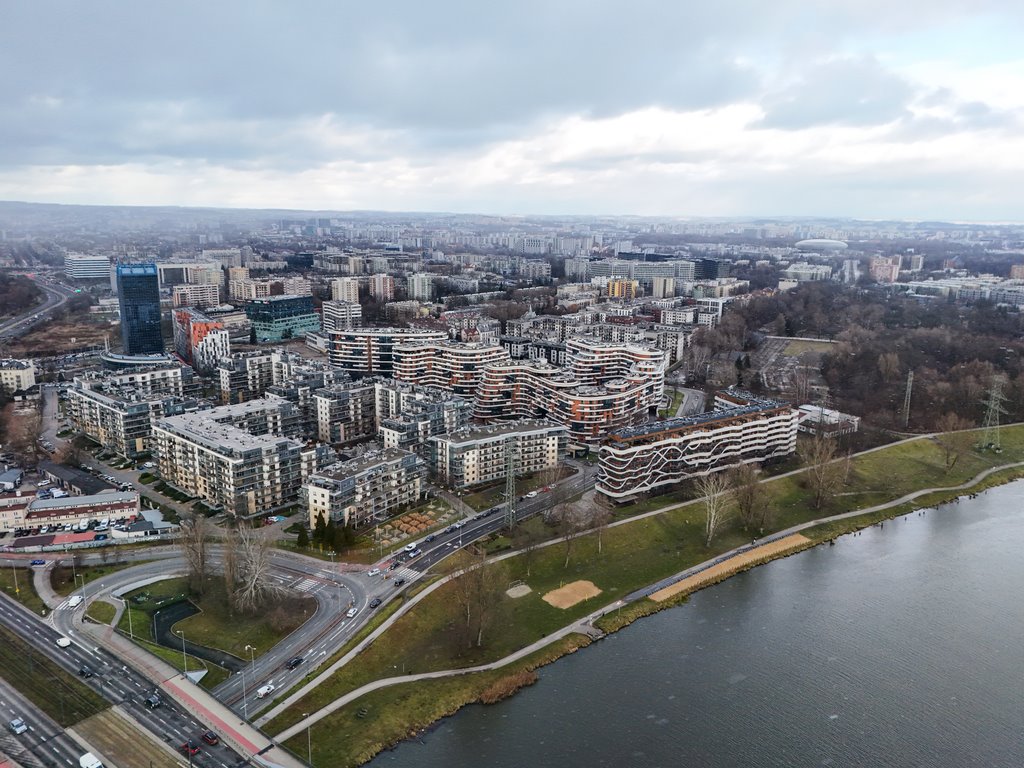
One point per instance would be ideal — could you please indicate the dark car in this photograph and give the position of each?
(294, 662)
(431, 537)
(84, 671)
(38, 562)
(189, 748)
(399, 582)
(211, 738)
(394, 565)
(375, 602)
(154, 701)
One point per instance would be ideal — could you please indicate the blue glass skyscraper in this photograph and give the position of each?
(138, 293)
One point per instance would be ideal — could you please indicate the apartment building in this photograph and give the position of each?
(741, 428)
(86, 266)
(200, 296)
(346, 411)
(368, 351)
(475, 455)
(382, 287)
(236, 456)
(120, 417)
(409, 414)
(421, 286)
(341, 315)
(345, 289)
(369, 488)
(199, 340)
(17, 375)
(452, 365)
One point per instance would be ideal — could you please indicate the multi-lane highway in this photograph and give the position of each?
(115, 681)
(43, 743)
(56, 295)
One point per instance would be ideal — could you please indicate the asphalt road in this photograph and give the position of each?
(55, 296)
(114, 681)
(45, 743)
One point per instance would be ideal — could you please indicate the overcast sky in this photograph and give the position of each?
(868, 108)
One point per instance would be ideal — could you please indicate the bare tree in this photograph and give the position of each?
(254, 586)
(194, 541)
(526, 541)
(23, 427)
(749, 495)
(825, 472)
(477, 593)
(954, 440)
(570, 524)
(714, 488)
(600, 518)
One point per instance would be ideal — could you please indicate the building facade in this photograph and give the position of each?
(276, 318)
(369, 351)
(452, 365)
(138, 293)
(369, 488)
(476, 455)
(17, 375)
(741, 429)
(199, 341)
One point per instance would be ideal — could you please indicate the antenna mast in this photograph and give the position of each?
(510, 483)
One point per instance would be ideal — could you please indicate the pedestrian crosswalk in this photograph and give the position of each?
(405, 573)
(305, 585)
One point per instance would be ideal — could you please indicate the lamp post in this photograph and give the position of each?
(332, 553)
(14, 571)
(252, 657)
(245, 701)
(309, 739)
(184, 658)
(128, 610)
(82, 577)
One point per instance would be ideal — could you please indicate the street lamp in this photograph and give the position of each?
(309, 740)
(14, 571)
(184, 658)
(252, 657)
(128, 610)
(245, 701)
(82, 577)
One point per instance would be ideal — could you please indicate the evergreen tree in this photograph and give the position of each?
(303, 539)
(320, 529)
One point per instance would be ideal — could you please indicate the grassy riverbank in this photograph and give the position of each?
(629, 556)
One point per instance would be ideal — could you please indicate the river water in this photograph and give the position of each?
(899, 646)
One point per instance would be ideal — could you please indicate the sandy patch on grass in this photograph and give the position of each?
(733, 565)
(570, 594)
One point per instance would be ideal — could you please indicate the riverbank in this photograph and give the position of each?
(635, 553)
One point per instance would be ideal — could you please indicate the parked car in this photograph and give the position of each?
(211, 738)
(294, 661)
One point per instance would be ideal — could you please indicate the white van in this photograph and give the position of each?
(75, 601)
(89, 760)
(265, 691)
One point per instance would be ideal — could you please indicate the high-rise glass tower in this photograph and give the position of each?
(138, 293)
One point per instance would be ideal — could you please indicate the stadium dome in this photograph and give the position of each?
(821, 244)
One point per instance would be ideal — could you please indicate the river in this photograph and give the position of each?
(898, 646)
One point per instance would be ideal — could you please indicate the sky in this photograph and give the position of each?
(861, 108)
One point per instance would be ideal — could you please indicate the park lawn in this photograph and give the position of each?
(26, 593)
(358, 731)
(798, 347)
(62, 577)
(101, 611)
(42, 681)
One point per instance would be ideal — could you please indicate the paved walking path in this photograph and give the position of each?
(583, 625)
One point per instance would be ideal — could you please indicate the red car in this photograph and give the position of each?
(189, 748)
(211, 738)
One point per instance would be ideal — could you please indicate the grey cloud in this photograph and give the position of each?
(840, 92)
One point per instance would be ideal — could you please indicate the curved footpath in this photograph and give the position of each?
(585, 624)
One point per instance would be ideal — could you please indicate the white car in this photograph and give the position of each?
(17, 726)
(373, 572)
(63, 642)
(410, 547)
(351, 613)
(74, 601)
(531, 494)
(265, 691)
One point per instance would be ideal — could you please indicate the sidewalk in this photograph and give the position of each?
(238, 734)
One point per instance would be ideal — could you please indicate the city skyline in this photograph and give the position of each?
(859, 110)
